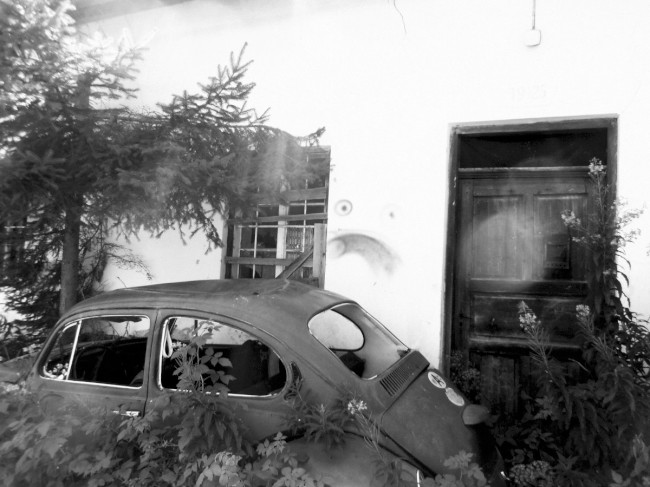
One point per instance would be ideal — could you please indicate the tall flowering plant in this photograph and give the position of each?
(595, 417)
(604, 234)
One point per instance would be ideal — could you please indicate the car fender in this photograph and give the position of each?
(352, 464)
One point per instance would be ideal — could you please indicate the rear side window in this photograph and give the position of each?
(357, 339)
(228, 357)
(106, 350)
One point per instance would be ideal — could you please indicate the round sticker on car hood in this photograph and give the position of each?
(436, 380)
(454, 397)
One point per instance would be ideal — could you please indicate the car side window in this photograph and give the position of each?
(105, 349)
(243, 363)
(362, 344)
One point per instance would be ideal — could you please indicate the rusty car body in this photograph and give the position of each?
(115, 349)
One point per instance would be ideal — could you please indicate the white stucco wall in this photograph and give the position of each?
(387, 91)
(167, 259)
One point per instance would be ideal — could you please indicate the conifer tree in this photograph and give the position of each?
(75, 164)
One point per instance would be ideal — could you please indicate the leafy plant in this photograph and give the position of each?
(466, 473)
(582, 429)
(325, 424)
(274, 457)
(529, 437)
(597, 416)
(186, 438)
(604, 234)
(465, 377)
(535, 474)
(47, 448)
(196, 365)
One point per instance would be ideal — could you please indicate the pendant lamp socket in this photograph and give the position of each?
(533, 38)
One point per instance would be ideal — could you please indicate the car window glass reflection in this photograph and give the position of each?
(247, 366)
(363, 344)
(107, 350)
(58, 362)
(336, 332)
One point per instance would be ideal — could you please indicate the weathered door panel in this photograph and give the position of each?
(106, 370)
(264, 414)
(513, 247)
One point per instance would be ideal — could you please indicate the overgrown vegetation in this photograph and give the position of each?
(186, 438)
(585, 426)
(466, 377)
(195, 443)
(589, 428)
(193, 436)
(331, 426)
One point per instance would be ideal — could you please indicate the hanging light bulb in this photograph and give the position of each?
(533, 37)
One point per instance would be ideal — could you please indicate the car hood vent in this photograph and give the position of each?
(405, 372)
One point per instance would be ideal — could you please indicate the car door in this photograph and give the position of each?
(259, 378)
(97, 360)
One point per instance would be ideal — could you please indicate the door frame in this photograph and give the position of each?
(538, 125)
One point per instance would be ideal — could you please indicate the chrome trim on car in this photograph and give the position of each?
(77, 322)
(101, 384)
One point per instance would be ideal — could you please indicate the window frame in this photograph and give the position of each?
(222, 321)
(373, 332)
(308, 262)
(312, 224)
(77, 322)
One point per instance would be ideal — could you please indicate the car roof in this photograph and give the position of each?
(281, 304)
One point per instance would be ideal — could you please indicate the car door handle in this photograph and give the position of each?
(133, 414)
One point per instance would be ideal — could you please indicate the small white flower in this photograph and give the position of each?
(569, 219)
(356, 406)
(528, 321)
(583, 310)
(596, 167)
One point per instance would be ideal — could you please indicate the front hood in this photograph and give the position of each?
(426, 421)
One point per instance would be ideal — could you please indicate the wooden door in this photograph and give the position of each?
(513, 246)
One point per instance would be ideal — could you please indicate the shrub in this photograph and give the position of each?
(591, 427)
(465, 377)
(190, 438)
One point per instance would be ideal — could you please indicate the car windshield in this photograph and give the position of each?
(363, 344)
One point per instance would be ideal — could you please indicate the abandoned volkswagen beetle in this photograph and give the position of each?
(116, 350)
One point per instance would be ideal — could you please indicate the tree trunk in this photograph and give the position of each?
(70, 258)
(73, 212)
